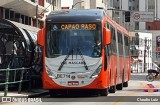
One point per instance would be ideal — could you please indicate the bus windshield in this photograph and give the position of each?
(63, 38)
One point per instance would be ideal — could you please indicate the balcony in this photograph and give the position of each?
(25, 7)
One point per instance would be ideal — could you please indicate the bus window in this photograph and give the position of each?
(126, 40)
(108, 25)
(113, 42)
(108, 53)
(60, 41)
(120, 43)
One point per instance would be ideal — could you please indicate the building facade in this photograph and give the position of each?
(145, 47)
(29, 12)
(121, 6)
(89, 4)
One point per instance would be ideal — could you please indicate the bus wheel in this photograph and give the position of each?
(119, 86)
(104, 92)
(125, 84)
(112, 89)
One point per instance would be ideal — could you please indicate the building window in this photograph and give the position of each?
(137, 6)
(23, 19)
(11, 14)
(136, 25)
(133, 8)
(49, 1)
(7, 14)
(17, 15)
(33, 1)
(26, 20)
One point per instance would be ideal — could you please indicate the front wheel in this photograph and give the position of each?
(104, 92)
(150, 78)
(112, 89)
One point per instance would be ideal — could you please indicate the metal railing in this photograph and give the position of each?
(14, 80)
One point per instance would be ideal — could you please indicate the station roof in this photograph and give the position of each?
(14, 29)
(7, 24)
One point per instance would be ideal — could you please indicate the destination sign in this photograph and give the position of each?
(78, 26)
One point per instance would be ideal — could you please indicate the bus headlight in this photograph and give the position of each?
(96, 73)
(50, 72)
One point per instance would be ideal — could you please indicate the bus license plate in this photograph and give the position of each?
(73, 83)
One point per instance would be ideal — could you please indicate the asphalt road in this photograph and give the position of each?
(131, 95)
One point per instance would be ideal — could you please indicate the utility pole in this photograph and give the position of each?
(76, 4)
(121, 14)
(53, 3)
(145, 45)
(36, 15)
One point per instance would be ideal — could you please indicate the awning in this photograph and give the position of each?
(25, 7)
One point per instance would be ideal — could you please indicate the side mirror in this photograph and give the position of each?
(40, 39)
(107, 36)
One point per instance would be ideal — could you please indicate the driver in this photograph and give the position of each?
(96, 50)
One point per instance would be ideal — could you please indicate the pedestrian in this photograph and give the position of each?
(155, 69)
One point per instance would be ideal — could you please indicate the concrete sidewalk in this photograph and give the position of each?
(31, 93)
(42, 92)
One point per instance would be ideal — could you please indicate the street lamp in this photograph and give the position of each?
(45, 10)
(145, 50)
(76, 4)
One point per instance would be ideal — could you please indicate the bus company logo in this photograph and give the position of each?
(55, 27)
(75, 62)
(73, 77)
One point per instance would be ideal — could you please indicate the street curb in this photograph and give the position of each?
(38, 94)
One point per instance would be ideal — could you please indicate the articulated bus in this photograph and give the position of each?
(84, 50)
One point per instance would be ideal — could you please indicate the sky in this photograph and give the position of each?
(66, 3)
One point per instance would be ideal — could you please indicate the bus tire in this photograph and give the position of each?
(119, 86)
(112, 89)
(104, 92)
(125, 84)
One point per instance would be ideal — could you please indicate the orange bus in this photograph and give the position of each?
(84, 50)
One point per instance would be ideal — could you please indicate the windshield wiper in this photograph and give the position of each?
(69, 53)
(80, 52)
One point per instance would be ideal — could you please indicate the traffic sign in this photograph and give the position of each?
(142, 16)
(136, 16)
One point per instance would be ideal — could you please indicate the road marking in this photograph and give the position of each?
(128, 94)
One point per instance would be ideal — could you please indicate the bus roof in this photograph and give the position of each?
(74, 15)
